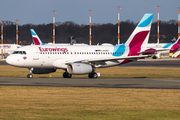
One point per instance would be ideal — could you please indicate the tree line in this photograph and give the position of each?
(101, 33)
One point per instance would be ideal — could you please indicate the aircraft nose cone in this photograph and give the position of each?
(9, 60)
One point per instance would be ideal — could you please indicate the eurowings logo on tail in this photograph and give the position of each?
(36, 39)
(138, 38)
(174, 46)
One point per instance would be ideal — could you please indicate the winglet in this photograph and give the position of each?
(36, 39)
(175, 46)
(178, 41)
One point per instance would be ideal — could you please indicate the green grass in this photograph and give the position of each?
(112, 72)
(88, 103)
(67, 103)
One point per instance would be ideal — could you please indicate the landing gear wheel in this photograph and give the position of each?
(29, 76)
(67, 75)
(154, 57)
(95, 75)
(92, 75)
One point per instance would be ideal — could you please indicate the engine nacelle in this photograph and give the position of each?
(43, 70)
(79, 68)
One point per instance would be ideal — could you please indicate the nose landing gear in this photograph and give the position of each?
(29, 76)
(30, 73)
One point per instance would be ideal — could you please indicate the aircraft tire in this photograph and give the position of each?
(154, 57)
(95, 75)
(29, 76)
(67, 75)
(92, 75)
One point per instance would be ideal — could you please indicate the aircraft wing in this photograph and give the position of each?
(107, 59)
(155, 50)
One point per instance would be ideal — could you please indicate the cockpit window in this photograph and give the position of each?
(15, 52)
(19, 52)
(24, 52)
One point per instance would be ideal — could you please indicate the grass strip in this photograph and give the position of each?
(88, 103)
(111, 72)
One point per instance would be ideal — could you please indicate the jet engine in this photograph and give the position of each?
(43, 70)
(79, 68)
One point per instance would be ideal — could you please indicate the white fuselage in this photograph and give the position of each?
(36, 56)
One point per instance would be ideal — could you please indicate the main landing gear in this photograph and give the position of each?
(90, 75)
(93, 75)
(67, 75)
(30, 73)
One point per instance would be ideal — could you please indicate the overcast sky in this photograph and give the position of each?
(103, 11)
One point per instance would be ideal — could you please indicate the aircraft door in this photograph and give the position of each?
(35, 54)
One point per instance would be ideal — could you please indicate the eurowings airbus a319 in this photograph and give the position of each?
(43, 59)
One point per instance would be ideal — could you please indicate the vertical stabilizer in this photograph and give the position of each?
(36, 39)
(140, 35)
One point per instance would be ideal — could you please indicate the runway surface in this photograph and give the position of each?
(150, 83)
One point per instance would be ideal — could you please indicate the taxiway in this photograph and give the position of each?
(150, 83)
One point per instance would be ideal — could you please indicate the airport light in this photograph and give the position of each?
(119, 24)
(1, 32)
(158, 24)
(54, 26)
(89, 26)
(178, 22)
(17, 32)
